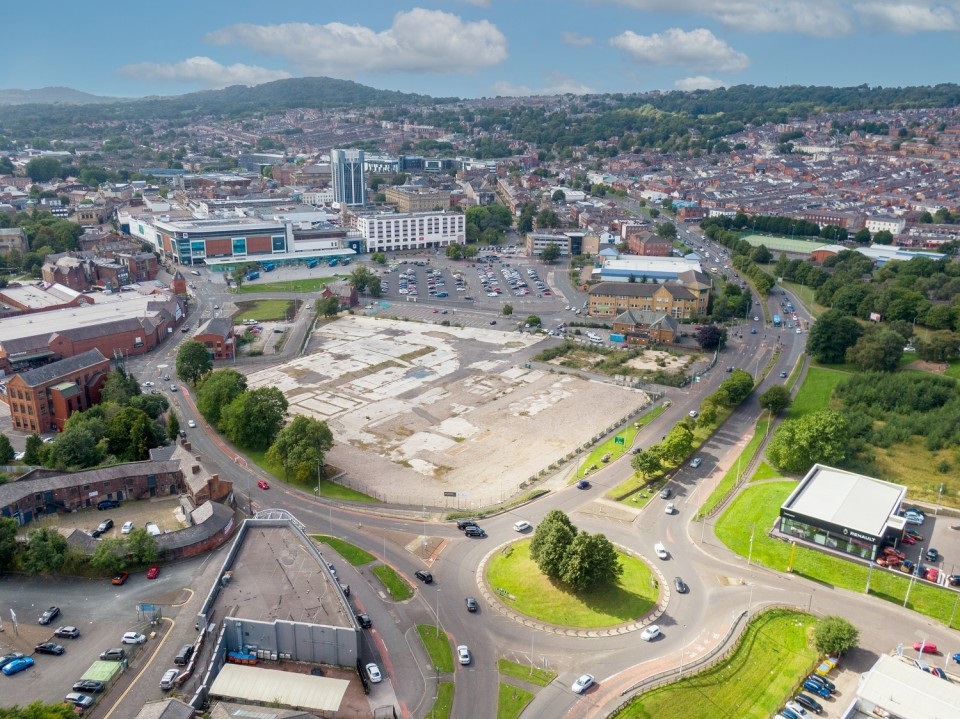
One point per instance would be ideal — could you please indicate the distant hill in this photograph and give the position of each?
(50, 95)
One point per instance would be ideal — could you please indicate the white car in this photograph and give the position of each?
(583, 683)
(669, 509)
(650, 632)
(18, 457)
(133, 638)
(126, 528)
(521, 526)
(660, 550)
(373, 673)
(191, 423)
(463, 654)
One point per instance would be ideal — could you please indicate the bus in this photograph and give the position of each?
(268, 267)
(311, 264)
(777, 322)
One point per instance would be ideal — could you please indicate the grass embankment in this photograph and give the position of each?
(815, 392)
(616, 450)
(534, 595)
(396, 587)
(328, 489)
(730, 478)
(511, 701)
(309, 284)
(754, 511)
(752, 683)
(534, 675)
(265, 310)
(443, 705)
(350, 552)
(503, 506)
(437, 646)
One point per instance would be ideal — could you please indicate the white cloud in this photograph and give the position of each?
(698, 48)
(420, 41)
(700, 82)
(576, 39)
(204, 71)
(557, 84)
(909, 19)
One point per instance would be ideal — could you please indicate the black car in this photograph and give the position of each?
(424, 576)
(808, 703)
(49, 615)
(48, 648)
(680, 585)
(823, 681)
(666, 493)
(105, 526)
(583, 484)
(183, 656)
(107, 504)
(113, 655)
(89, 686)
(464, 523)
(472, 605)
(474, 531)
(364, 621)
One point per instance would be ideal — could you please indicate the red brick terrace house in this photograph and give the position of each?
(42, 399)
(217, 336)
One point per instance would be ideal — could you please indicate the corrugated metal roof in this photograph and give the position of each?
(257, 684)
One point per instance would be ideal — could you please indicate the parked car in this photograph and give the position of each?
(913, 533)
(107, 504)
(153, 572)
(67, 632)
(650, 632)
(474, 532)
(364, 621)
(113, 655)
(133, 638)
(823, 681)
(463, 654)
(79, 700)
(932, 555)
(105, 526)
(169, 679)
(126, 528)
(49, 648)
(788, 713)
(152, 529)
(7, 658)
(932, 574)
(925, 648)
(818, 689)
(696, 462)
(583, 682)
(809, 703)
(424, 576)
(373, 673)
(120, 578)
(17, 665)
(49, 615)
(89, 686)
(796, 708)
(183, 656)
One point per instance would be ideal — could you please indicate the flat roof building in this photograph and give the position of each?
(655, 269)
(895, 688)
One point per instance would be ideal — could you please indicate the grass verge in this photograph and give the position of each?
(517, 501)
(754, 511)
(766, 471)
(534, 595)
(310, 284)
(443, 704)
(398, 589)
(265, 310)
(628, 433)
(437, 645)
(730, 478)
(815, 392)
(534, 675)
(511, 701)
(350, 552)
(751, 683)
(328, 489)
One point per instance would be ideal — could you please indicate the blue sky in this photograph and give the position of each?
(481, 48)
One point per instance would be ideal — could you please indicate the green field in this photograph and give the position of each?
(628, 433)
(778, 243)
(772, 655)
(265, 310)
(730, 478)
(444, 703)
(328, 489)
(814, 394)
(534, 595)
(309, 284)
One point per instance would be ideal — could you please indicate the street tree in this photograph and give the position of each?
(173, 426)
(43, 169)
(301, 447)
(878, 351)
(6, 450)
(45, 552)
(141, 547)
(153, 405)
(666, 231)
(831, 335)
(217, 390)
(193, 361)
(254, 418)
(551, 539)
(119, 387)
(110, 555)
(533, 321)
(646, 463)
(8, 542)
(375, 285)
(34, 450)
(710, 336)
(590, 561)
(677, 444)
(798, 444)
(379, 258)
(558, 196)
(735, 389)
(776, 399)
(550, 252)
(834, 635)
(507, 310)
(328, 306)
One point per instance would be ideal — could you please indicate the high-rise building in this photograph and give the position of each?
(349, 183)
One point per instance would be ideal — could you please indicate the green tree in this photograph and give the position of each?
(173, 426)
(8, 542)
(76, 448)
(6, 450)
(328, 306)
(360, 278)
(301, 447)
(666, 231)
(217, 390)
(776, 399)
(558, 196)
(590, 561)
(379, 258)
(153, 405)
(710, 336)
(254, 418)
(862, 237)
(129, 434)
(877, 351)
(646, 462)
(551, 539)
(34, 451)
(45, 552)
(44, 169)
(761, 255)
(817, 437)
(39, 710)
(110, 555)
(735, 389)
(941, 346)
(119, 387)
(550, 252)
(831, 335)
(193, 361)
(835, 635)
(883, 237)
(507, 310)
(533, 321)
(677, 444)
(375, 286)
(141, 547)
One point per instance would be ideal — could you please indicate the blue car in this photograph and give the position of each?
(815, 688)
(18, 665)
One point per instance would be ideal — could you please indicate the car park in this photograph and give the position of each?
(650, 632)
(583, 682)
(373, 673)
(364, 621)
(474, 532)
(133, 638)
(696, 462)
(681, 585)
(153, 572)
(424, 576)
(67, 632)
(49, 615)
(83, 701)
(49, 648)
(113, 655)
(169, 679)
(463, 654)
(809, 703)
(472, 605)
(89, 686)
(17, 665)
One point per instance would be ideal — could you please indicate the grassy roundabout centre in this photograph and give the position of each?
(513, 571)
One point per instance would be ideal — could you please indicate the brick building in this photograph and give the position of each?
(342, 290)
(644, 328)
(217, 336)
(413, 198)
(609, 299)
(647, 244)
(41, 400)
(13, 238)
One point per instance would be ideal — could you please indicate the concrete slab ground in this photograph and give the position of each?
(419, 409)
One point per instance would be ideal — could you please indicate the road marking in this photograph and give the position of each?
(133, 683)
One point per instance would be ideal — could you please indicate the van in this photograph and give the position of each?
(521, 526)
(183, 656)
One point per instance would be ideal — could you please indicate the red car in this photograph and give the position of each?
(153, 572)
(932, 574)
(263, 484)
(925, 647)
(907, 539)
(891, 552)
(888, 560)
(120, 578)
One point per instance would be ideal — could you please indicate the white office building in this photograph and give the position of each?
(390, 232)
